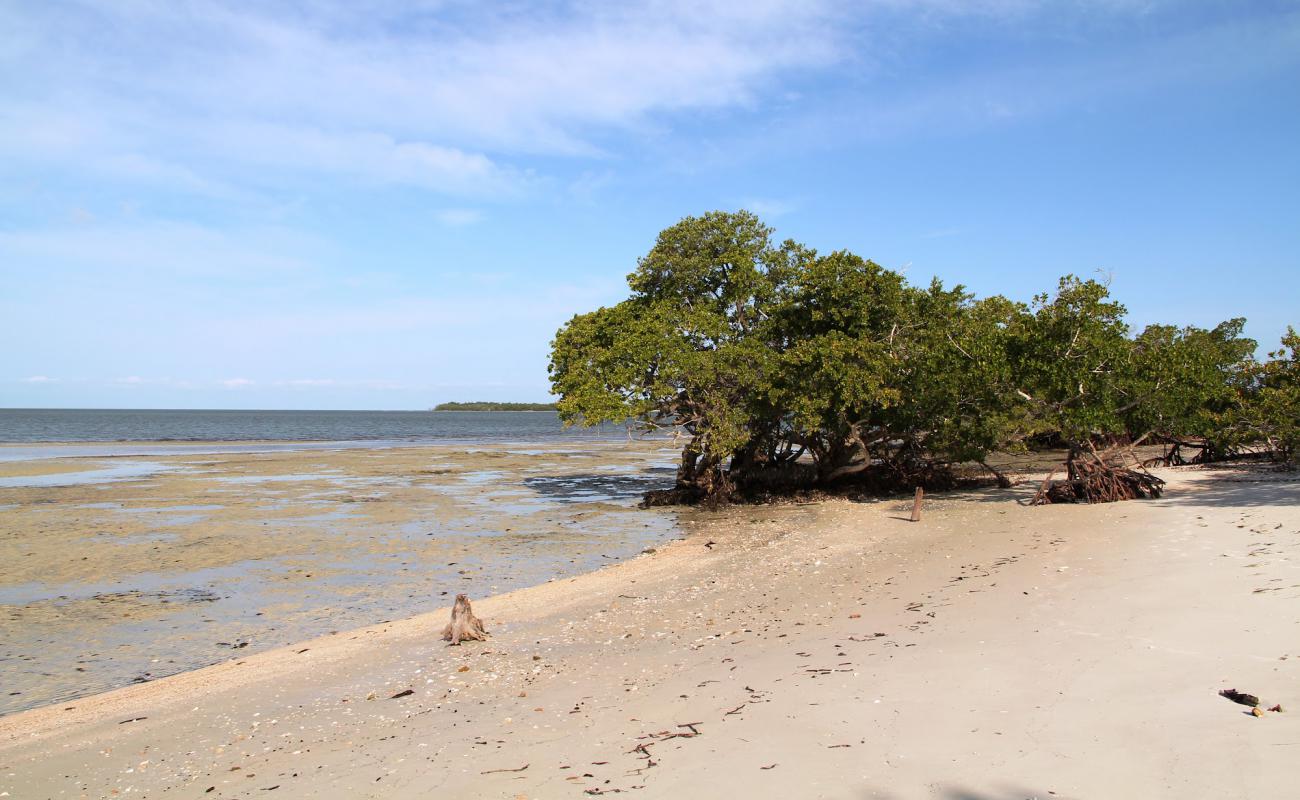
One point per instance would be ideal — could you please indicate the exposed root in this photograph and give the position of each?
(464, 626)
(676, 496)
(1094, 478)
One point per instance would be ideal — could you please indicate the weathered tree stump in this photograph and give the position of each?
(464, 625)
(916, 504)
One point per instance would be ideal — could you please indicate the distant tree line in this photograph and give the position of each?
(483, 405)
(789, 369)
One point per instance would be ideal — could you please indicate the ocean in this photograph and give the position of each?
(32, 425)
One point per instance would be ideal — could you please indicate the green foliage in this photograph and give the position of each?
(1187, 383)
(959, 382)
(690, 346)
(1073, 357)
(777, 360)
(1270, 410)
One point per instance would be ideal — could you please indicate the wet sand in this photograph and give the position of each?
(122, 570)
(827, 650)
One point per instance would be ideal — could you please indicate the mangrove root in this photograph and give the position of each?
(1096, 480)
(464, 625)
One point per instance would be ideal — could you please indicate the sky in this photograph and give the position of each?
(386, 205)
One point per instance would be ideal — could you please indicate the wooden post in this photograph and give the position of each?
(916, 504)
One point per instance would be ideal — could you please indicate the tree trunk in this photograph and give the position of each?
(842, 457)
(705, 479)
(700, 478)
(746, 463)
(1003, 481)
(464, 625)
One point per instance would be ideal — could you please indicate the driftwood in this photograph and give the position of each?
(1240, 697)
(464, 625)
(916, 504)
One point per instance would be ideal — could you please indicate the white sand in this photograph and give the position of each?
(1027, 652)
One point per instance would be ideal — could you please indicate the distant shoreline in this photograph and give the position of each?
(486, 405)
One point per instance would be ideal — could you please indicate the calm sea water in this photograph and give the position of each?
(123, 425)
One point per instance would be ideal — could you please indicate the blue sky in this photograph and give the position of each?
(322, 204)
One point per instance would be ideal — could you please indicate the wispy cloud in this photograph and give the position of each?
(223, 99)
(1055, 59)
(237, 383)
(399, 93)
(39, 379)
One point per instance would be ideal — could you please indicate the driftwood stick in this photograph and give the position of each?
(1042, 489)
(464, 625)
(916, 504)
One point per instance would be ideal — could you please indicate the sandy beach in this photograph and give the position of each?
(824, 650)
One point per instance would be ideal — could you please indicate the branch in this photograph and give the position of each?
(1070, 349)
(959, 347)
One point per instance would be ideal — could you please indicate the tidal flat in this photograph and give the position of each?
(121, 570)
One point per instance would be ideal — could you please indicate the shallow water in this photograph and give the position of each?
(168, 567)
(116, 472)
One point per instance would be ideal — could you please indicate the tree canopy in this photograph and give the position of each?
(787, 368)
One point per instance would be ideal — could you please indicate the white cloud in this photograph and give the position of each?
(237, 383)
(396, 94)
(364, 155)
(222, 98)
(39, 379)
